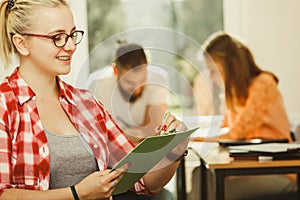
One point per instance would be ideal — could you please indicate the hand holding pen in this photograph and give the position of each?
(170, 124)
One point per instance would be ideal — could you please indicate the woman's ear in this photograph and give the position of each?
(20, 44)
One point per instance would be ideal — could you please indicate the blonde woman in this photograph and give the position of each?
(56, 141)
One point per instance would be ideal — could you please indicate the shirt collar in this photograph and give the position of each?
(66, 91)
(20, 88)
(24, 93)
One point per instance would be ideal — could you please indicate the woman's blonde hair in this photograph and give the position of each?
(17, 17)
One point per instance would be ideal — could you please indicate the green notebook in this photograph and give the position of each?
(146, 155)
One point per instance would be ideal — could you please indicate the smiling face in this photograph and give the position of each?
(43, 56)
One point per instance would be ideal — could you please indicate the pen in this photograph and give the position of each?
(163, 130)
(265, 158)
(164, 126)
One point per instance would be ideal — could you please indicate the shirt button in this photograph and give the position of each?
(44, 185)
(44, 151)
(95, 146)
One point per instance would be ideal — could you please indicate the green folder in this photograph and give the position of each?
(146, 155)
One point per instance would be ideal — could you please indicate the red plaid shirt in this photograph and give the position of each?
(24, 151)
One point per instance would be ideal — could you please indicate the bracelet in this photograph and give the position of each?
(175, 158)
(75, 195)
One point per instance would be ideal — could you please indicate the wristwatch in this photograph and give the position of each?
(175, 158)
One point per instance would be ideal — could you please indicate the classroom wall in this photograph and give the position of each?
(271, 29)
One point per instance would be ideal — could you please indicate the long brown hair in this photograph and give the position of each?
(238, 65)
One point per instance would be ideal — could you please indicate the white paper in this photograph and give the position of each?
(268, 147)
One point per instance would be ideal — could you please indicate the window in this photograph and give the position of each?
(171, 31)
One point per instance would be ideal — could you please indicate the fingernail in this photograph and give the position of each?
(164, 127)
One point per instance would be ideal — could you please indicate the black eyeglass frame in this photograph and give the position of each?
(52, 37)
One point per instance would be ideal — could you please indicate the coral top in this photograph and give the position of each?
(263, 115)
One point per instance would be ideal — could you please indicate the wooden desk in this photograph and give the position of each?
(216, 159)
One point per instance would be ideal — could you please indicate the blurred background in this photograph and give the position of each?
(270, 28)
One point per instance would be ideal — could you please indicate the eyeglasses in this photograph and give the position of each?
(61, 39)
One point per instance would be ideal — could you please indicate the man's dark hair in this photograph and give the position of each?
(130, 55)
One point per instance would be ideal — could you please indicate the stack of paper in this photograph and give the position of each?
(273, 151)
(268, 147)
(210, 125)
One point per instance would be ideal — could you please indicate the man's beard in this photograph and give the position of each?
(129, 96)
